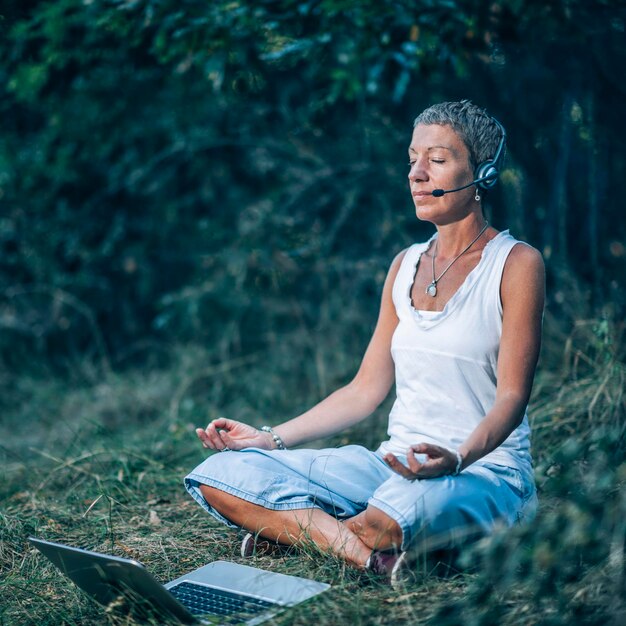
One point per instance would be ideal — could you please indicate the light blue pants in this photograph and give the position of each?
(436, 513)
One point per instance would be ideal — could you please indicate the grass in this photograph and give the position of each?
(97, 462)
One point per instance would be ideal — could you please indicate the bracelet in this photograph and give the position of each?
(459, 462)
(280, 444)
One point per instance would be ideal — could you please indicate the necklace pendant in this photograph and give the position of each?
(431, 290)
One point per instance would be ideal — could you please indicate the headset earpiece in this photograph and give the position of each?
(487, 173)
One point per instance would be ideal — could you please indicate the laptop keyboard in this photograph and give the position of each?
(203, 600)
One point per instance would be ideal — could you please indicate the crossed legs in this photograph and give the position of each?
(352, 539)
(438, 513)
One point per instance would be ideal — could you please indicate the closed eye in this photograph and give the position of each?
(439, 161)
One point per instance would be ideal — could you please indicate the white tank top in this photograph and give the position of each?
(446, 362)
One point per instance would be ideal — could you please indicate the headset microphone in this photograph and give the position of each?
(439, 192)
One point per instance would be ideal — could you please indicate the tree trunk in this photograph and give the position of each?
(593, 194)
(559, 199)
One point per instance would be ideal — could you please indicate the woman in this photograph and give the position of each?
(459, 330)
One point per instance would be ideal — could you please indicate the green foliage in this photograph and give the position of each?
(169, 166)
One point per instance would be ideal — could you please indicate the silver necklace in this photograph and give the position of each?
(431, 290)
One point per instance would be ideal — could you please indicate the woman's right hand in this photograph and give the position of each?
(224, 434)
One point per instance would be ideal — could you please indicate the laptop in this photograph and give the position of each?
(218, 593)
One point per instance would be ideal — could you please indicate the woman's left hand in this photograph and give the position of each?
(436, 461)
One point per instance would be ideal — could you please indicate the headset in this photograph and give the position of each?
(487, 172)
